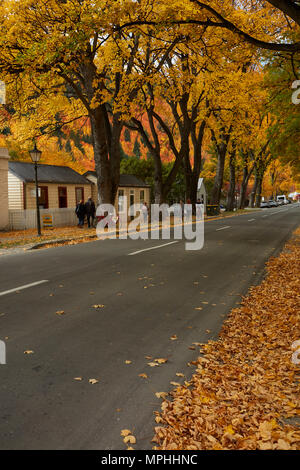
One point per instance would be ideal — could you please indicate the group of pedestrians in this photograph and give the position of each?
(87, 210)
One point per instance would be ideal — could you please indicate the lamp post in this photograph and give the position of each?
(35, 155)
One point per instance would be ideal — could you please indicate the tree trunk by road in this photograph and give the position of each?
(253, 193)
(231, 192)
(221, 148)
(258, 191)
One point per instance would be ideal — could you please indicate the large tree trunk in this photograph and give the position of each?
(231, 192)
(115, 155)
(253, 193)
(106, 139)
(218, 183)
(258, 192)
(102, 165)
(192, 174)
(244, 187)
(222, 150)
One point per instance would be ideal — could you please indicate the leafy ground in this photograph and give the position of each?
(27, 237)
(245, 392)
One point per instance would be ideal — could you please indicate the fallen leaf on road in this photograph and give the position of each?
(125, 432)
(161, 361)
(198, 308)
(130, 439)
(153, 364)
(144, 376)
(93, 381)
(78, 378)
(179, 374)
(98, 306)
(128, 362)
(29, 352)
(161, 394)
(60, 312)
(173, 338)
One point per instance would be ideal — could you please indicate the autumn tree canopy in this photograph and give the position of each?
(182, 76)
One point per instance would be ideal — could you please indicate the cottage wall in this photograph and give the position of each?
(53, 194)
(15, 192)
(4, 156)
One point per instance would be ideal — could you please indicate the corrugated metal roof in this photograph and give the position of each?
(46, 173)
(126, 180)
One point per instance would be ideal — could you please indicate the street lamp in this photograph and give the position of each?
(35, 155)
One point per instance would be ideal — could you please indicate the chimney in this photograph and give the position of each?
(4, 157)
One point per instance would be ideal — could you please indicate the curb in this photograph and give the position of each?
(58, 241)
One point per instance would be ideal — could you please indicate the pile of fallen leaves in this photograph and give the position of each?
(25, 237)
(245, 392)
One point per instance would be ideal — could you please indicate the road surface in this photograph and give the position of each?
(148, 297)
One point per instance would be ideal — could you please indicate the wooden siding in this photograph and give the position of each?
(53, 194)
(15, 192)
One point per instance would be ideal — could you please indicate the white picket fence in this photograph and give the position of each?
(24, 219)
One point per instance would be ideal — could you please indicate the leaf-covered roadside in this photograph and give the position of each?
(245, 392)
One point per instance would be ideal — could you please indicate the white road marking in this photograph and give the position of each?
(22, 287)
(152, 248)
(223, 228)
(250, 220)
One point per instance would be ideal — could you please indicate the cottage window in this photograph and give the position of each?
(121, 201)
(43, 197)
(131, 197)
(79, 193)
(62, 197)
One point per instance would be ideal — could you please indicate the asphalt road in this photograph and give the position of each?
(147, 298)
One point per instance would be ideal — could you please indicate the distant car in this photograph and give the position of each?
(282, 199)
(273, 204)
(264, 204)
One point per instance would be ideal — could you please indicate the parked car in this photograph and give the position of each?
(273, 204)
(264, 204)
(282, 199)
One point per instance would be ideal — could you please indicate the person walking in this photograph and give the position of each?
(90, 210)
(80, 212)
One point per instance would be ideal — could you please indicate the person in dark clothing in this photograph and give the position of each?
(80, 212)
(90, 210)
